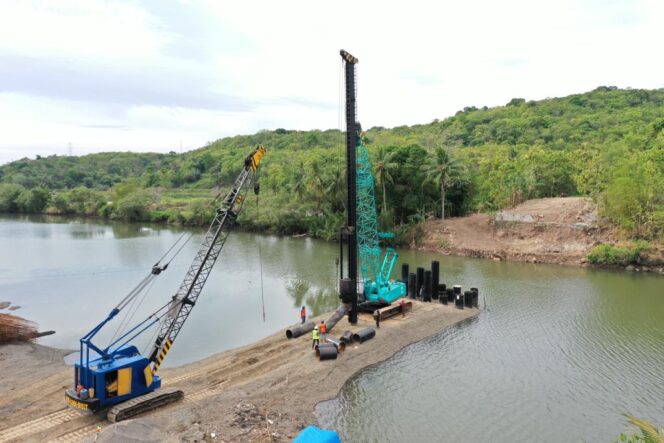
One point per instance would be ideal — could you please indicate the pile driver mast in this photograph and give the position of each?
(118, 375)
(361, 229)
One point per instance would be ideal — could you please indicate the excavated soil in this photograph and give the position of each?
(266, 391)
(548, 230)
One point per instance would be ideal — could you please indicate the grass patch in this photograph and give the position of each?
(611, 255)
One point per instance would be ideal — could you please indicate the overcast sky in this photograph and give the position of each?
(157, 75)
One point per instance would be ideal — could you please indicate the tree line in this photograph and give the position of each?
(607, 144)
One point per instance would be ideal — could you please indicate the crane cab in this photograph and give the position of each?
(106, 382)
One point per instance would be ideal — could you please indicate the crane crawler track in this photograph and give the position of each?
(144, 403)
(39, 424)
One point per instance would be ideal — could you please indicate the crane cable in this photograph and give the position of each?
(260, 254)
(131, 298)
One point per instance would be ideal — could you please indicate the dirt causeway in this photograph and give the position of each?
(266, 391)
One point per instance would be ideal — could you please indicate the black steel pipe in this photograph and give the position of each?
(327, 352)
(435, 279)
(458, 301)
(347, 337)
(468, 299)
(364, 335)
(420, 281)
(301, 329)
(450, 295)
(322, 345)
(338, 315)
(412, 285)
(404, 273)
(442, 290)
(426, 292)
(476, 297)
(341, 346)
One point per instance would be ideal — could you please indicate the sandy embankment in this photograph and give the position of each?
(548, 230)
(266, 391)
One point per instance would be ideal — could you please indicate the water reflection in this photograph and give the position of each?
(317, 299)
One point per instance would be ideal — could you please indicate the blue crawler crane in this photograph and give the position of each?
(118, 376)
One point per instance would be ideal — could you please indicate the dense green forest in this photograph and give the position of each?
(607, 144)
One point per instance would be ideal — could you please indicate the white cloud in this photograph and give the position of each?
(145, 76)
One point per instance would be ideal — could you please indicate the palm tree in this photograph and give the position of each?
(441, 169)
(299, 184)
(382, 171)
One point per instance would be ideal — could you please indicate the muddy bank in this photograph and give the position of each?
(266, 391)
(548, 230)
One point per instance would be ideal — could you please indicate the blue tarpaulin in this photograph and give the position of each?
(312, 434)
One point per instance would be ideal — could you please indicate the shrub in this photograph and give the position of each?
(611, 255)
(9, 192)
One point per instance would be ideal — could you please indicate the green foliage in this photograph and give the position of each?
(33, 201)
(9, 192)
(648, 432)
(611, 255)
(634, 195)
(134, 206)
(607, 143)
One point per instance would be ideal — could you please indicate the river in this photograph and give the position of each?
(558, 355)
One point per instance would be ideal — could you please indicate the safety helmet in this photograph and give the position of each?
(315, 328)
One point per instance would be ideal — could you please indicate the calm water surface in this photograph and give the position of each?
(68, 275)
(558, 355)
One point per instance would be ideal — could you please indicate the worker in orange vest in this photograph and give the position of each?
(323, 330)
(303, 314)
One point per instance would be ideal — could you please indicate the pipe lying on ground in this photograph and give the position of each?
(327, 352)
(338, 315)
(318, 347)
(347, 337)
(296, 331)
(341, 346)
(393, 310)
(364, 335)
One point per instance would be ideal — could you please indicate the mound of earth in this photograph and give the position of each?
(548, 230)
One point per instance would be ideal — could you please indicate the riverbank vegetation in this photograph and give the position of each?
(607, 144)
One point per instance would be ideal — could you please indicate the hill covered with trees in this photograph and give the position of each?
(607, 144)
